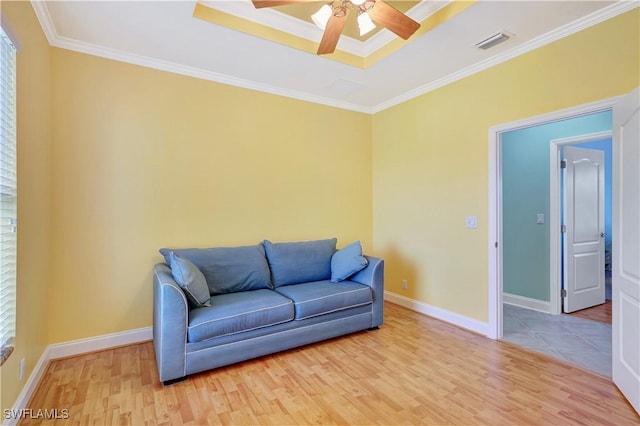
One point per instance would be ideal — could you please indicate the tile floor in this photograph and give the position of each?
(579, 341)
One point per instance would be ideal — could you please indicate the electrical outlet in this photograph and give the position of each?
(405, 285)
(21, 370)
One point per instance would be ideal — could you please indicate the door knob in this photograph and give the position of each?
(602, 235)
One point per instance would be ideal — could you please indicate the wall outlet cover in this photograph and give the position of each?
(471, 222)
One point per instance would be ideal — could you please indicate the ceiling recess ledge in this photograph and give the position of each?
(308, 31)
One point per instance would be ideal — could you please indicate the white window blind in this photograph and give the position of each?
(8, 195)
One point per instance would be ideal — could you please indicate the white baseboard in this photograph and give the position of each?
(71, 348)
(527, 302)
(438, 313)
(98, 343)
(29, 388)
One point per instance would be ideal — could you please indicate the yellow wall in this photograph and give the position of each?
(144, 159)
(430, 158)
(34, 156)
(139, 159)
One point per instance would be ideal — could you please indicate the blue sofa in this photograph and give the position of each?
(258, 300)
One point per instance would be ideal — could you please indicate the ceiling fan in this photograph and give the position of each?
(332, 16)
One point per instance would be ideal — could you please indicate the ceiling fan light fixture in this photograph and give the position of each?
(332, 16)
(365, 23)
(321, 17)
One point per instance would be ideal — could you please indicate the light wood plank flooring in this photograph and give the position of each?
(600, 313)
(414, 370)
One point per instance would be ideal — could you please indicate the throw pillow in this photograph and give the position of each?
(347, 261)
(300, 262)
(190, 279)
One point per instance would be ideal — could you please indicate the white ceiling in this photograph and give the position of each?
(165, 35)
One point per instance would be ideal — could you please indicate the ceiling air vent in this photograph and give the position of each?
(493, 40)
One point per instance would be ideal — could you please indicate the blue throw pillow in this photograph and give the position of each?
(229, 269)
(347, 261)
(190, 279)
(300, 262)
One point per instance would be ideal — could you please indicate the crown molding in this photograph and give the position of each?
(145, 61)
(55, 40)
(583, 23)
(42, 13)
(594, 18)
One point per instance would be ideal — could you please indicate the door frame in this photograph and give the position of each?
(495, 198)
(555, 219)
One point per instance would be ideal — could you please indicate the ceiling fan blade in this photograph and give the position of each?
(332, 33)
(393, 20)
(259, 4)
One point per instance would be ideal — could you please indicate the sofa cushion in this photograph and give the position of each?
(299, 262)
(229, 269)
(347, 261)
(323, 297)
(190, 279)
(237, 312)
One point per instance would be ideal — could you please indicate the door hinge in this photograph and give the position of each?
(563, 229)
(563, 164)
(563, 293)
(496, 244)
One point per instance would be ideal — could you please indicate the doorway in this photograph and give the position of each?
(496, 249)
(531, 209)
(626, 230)
(532, 270)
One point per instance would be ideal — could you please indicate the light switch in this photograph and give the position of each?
(471, 222)
(540, 218)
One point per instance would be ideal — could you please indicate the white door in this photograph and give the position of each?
(584, 221)
(625, 325)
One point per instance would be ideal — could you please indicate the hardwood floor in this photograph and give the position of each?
(414, 370)
(600, 313)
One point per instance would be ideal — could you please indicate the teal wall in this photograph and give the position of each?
(525, 193)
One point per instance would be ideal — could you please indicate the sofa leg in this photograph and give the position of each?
(374, 328)
(172, 381)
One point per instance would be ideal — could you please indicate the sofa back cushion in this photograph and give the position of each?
(300, 262)
(228, 269)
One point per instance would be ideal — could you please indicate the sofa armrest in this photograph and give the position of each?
(170, 321)
(373, 276)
